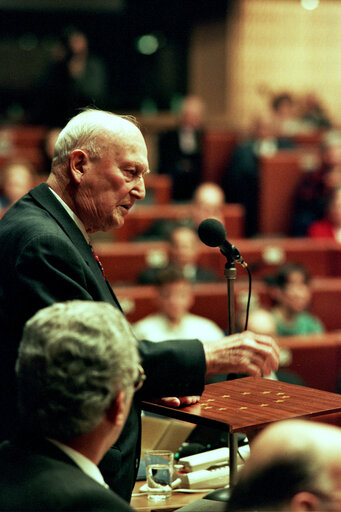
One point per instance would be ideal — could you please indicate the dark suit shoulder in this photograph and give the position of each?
(34, 481)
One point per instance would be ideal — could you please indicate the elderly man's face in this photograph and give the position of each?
(111, 184)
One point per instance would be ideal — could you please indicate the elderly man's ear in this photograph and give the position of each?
(303, 501)
(117, 411)
(77, 161)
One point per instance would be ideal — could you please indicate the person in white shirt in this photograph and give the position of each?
(173, 320)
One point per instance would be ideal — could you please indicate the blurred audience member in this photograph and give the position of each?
(262, 321)
(74, 78)
(184, 252)
(173, 319)
(294, 465)
(16, 179)
(241, 179)
(315, 186)
(286, 120)
(313, 114)
(180, 150)
(330, 225)
(290, 289)
(208, 202)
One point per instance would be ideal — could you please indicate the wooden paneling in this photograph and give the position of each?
(123, 261)
(143, 216)
(279, 176)
(217, 150)
(315, 358)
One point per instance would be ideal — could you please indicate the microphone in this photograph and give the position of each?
(212, 233)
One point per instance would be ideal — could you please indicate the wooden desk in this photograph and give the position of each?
(177, 500)
(249, 404)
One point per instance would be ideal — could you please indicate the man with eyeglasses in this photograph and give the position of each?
(97, 176)
(77, 372)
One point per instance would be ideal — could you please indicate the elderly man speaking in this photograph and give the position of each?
(97, 175)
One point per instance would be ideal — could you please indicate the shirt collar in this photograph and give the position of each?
(85, 464)
(72, 215)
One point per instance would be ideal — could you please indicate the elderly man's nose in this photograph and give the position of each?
(139, 190)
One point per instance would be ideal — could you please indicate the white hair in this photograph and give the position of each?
(74, 358)
(84, 130)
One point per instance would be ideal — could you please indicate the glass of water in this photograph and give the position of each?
(159, 469)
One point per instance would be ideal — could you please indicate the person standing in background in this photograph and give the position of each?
(180, 150)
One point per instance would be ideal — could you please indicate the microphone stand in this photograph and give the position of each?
(230, 274)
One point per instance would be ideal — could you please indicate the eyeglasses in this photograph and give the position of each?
(140, 378)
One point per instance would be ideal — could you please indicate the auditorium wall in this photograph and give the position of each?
(265, 47)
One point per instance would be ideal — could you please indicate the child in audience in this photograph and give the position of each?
(291, 292)
(173, 319)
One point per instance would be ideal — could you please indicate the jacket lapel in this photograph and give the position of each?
(44, 197)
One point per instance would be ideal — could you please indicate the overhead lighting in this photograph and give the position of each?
(310, 5)
(147, 44)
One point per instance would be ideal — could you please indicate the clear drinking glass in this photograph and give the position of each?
(159, 469)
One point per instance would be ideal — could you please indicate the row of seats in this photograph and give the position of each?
(124, 261)
(280, 172)
(315, 359)
(211, 300)
(143, 216)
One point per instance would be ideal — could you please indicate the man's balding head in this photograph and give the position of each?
(294, 465)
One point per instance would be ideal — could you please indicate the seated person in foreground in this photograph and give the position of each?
(290, 290)
(173, 319)
(294, 465)
(77, 371)
(184, 252)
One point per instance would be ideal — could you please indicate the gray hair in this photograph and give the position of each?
(74, 358)
(83, 132)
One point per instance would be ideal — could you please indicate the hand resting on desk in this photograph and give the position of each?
(174, 401)
(246, 352)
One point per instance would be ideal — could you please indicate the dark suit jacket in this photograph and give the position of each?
(38, 476)
(185, 169)
(44, 258)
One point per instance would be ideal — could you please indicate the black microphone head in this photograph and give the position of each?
(211, 232)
